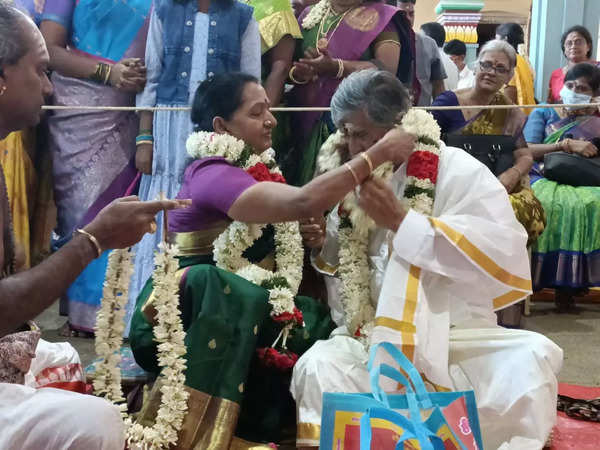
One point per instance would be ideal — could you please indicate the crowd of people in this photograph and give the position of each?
(485, 224)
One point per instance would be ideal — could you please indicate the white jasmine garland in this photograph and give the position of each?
(354, 270)
(169, 334)
(238, 237)
(316, 14)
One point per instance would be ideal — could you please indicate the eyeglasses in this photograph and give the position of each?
(575, 43)
(488, 67)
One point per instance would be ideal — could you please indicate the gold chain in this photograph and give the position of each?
(321, 34)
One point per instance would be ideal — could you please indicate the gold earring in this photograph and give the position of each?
(2, 90)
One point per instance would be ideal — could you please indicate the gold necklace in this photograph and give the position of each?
(322, 39)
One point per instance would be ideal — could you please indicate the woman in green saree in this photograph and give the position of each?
(567, 255)
(227, 317)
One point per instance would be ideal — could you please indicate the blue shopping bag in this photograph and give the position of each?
(416, 419)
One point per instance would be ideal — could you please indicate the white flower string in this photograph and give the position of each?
(168, 333)
(354, 229)
(316, 14)
(283, 283)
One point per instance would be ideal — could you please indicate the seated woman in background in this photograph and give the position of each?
(226, 316)
(566, 255)
(577, 46)
(495, 67)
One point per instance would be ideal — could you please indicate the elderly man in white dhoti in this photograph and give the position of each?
(445, 253)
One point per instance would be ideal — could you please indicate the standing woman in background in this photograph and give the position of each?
(339, 37)
(188, 41)
(95, 49)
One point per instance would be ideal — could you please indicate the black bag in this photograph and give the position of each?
(493, 150)
(572, 169)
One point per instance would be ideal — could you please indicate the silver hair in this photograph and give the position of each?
(497, 45)
(378, 93)
(12, 44)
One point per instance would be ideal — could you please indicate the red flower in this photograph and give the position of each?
(278, 178)
(287, 317)
(274, 359)
(423, 165)
(259, 172)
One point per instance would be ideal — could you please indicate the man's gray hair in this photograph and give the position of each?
(13, 46)
(496, 45)
(378, 93)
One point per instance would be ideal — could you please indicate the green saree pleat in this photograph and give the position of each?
(226, 319)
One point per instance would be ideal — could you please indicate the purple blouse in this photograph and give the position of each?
(213, 185)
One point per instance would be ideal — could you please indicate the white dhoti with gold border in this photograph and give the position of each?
(436, 283)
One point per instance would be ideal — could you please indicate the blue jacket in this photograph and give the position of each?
(227, 24)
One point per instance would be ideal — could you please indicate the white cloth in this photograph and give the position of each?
(466, 78)
(451, 82)
(450, 270)
(53, 419)
(54, 362)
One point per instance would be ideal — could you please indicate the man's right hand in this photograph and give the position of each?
(124, 222)
(143, 158)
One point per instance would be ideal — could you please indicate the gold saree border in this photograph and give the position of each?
(200, 242)
(241, 444)
(307, 433)
(480, 258)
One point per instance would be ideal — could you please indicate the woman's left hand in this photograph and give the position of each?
(510, 179)
(321, 63)
(381, 204)
(128, 75)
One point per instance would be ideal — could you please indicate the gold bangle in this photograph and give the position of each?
(93, 240)
(367, 158)
(340, 72)
(356, 180)
(291, 76)
(138, 143)
(107, 76)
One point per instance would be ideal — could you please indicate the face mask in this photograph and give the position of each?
(570, 97)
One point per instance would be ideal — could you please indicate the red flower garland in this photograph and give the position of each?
(423, 164)
(272, 358)
(287, 317)
(260, 172)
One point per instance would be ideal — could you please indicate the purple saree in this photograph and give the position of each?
(361, 27)
(93, 151)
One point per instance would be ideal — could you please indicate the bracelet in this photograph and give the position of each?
(102, 73)
(356, 180)
(291, 76)
(107, 76)
(92, 239)
(144, 137)
(367, 158)
(145, 132)
(138, 143)
(340, 72)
